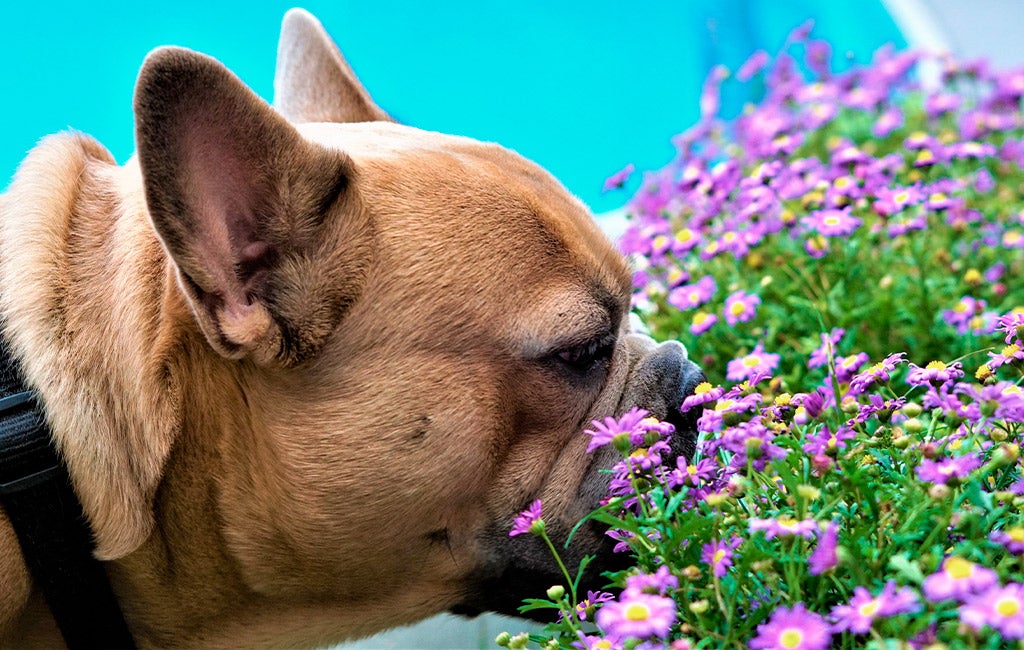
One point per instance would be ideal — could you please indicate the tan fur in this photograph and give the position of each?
(316, 451)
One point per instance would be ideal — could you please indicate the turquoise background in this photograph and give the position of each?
(581, 87)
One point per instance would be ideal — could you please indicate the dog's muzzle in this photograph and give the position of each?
(662, 378)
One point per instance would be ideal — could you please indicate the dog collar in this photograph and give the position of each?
(55, 538)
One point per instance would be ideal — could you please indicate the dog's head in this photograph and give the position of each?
(422, 325)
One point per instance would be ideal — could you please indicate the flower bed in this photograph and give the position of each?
(845, 260)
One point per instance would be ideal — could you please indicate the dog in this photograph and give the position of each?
(305, 365)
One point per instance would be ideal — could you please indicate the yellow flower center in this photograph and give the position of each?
(639, 454)
(685, 235)
(842, 182)
(958, 568)
(729, 237)
(1016, 534)
(1010, 350)
(660, 241)
(1011, 237)
(791, 637)
(703, 387)
(937, 197)
(1007, 607)
(637, 612)
(869, 608)
(737, 308)
(901, 197)
(718, 556)
(694, 296)
(935, 365)
(751, 361)
(831, 220)
(699, 319)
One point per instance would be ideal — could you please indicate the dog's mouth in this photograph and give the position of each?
(529, 570)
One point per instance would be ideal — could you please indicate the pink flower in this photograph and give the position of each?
(793, 629)
(824, 556)
(637, 615)
(858, 616)
(1001, 608)
(610, 428)
(719, 555)
(784, 526)
(691, 296)
(702, 322)
(832, 222)
(528, 521)
(619, 178)
(757, 362)
(740, 307)
(947, 471)
(958, 578)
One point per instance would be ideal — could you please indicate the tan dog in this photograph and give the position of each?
(306, 365)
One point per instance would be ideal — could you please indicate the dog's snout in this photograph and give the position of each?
(660, 381)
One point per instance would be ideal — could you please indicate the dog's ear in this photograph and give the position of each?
(313, 82)
(243, 204)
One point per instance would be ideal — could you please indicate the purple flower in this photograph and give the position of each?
(793, 629)
(890, 120)
(719, 555)
(619, 178)
(784, 526)
(935, 373)
(740, 307)
(948, 471)
(528, 521)
(702, 394)
(825, 442)
(693, 474)
(824, 557)
(958, 578)
(586, 607)
(860, 614)
(832, 222)
(754, 64)
(610, 428)
(880, 372)
(690, 296)
(702, 322)
(847, 367)
(1013, 325)
(1012, 538)
(637, 615)
(1001, 608)
(827, 349)
(1003, 400)
(757, 362)
(661, 582)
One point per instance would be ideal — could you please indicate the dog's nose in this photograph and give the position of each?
(668, 377)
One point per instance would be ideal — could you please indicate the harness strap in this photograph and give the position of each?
(55, 538)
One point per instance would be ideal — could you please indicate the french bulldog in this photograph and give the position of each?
(305, 364)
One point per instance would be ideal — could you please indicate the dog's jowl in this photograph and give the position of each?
(305, 364)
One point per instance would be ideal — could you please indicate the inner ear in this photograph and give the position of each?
(313, 82)
(235, 194)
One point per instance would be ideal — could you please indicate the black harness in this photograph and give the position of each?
(55, 537)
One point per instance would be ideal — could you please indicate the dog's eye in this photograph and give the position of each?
(582, 358)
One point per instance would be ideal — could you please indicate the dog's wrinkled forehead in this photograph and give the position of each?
(517, 205)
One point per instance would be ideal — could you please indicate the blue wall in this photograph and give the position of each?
(581, 87)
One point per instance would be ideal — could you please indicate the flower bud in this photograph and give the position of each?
(716, 499)
(622, 443)
(698, 607)
(1005, 454)
(821, 463)
(737, 485)
(912, 409)
(556, 592)
(519, 641)
(808, 492)
(503, 639)
(691, 572)
(913, 425)
(850, 405)
(998, 435)
(939, 492)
